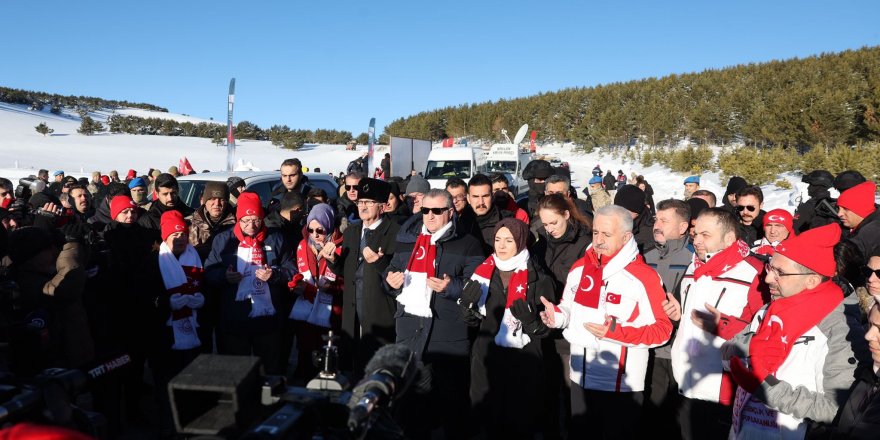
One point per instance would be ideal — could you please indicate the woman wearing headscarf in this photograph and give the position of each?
(563, 238)
(507, 369)
(318, 306)
(247, 265)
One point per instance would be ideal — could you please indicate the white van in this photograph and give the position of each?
(509, 160)
(461, 162)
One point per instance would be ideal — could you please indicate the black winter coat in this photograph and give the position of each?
(867, 236)
(375, 323)
(753, 232)
(859, 417)
(482, 227)
(457, 256)
(815, 212)
(558, 254)
(503, 378)
(643, 230)
(234, 314)
(152, 218)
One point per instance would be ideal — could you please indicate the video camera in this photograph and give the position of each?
(49, 400)
(324, 409)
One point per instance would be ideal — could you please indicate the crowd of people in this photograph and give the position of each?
(538, 315)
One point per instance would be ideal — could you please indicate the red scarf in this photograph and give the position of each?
(722, 261)
(307, 262)
(590, 287)
(516, 287)
(255, 243)
(423, 255)
(795, 315)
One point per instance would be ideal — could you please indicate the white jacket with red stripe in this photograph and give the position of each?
(633, 294)
(696, 354)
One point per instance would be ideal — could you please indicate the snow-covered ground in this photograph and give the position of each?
(23, 151)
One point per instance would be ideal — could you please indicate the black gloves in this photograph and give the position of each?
(527, 314)
(470, 295)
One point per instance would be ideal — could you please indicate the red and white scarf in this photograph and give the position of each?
(182, 278)
(722, 261)
(788, 319)
(250, 258)
(315, 305)
(510, 332)
(415, 295)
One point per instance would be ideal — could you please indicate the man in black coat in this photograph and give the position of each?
(535, 172)
(428, 317)
(750, 213)
(481, 214)
(367, 248)
(858, 212)
(610, 182)
(166, 200)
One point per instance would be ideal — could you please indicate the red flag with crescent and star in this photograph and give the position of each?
(422, 258)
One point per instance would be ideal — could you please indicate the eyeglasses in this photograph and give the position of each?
(778, 273)
(436, 211)
(742, 208)
(366, 203)
(459, 198)
(350, 187)
(319, 231)
(254, 222)
(867, 272)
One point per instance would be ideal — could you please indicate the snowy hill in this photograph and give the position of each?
(23, 151)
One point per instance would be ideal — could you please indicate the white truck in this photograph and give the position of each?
(509, 160)
(461, 162)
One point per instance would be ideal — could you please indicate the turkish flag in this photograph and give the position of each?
(183, 166)
(532, 146)
(612, 298)
(448, 142)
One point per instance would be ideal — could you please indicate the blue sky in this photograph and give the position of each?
(336, 64)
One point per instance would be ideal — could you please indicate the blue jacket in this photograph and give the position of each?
(234, 314)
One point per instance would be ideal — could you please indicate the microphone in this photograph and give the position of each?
(391, 372)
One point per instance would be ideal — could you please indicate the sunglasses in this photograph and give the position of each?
(867, 272)
(319, 231)
(350, 187)
(436, 211)
(742, 208)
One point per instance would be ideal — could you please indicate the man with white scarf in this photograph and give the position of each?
(432, 262)
(612, 313)
(251, 272)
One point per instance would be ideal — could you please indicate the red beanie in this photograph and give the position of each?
(105, 180)
(120, 203)
(859, 199)
(813, 248)
(171, 222)
(249, 204)
(782, 217)
(131, 174)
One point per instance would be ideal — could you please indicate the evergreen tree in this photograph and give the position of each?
(44, 129)
(89, 126)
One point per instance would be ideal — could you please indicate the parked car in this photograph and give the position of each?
(261, 182)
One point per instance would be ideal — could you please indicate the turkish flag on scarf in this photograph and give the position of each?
(422, 258)
(590, 287)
